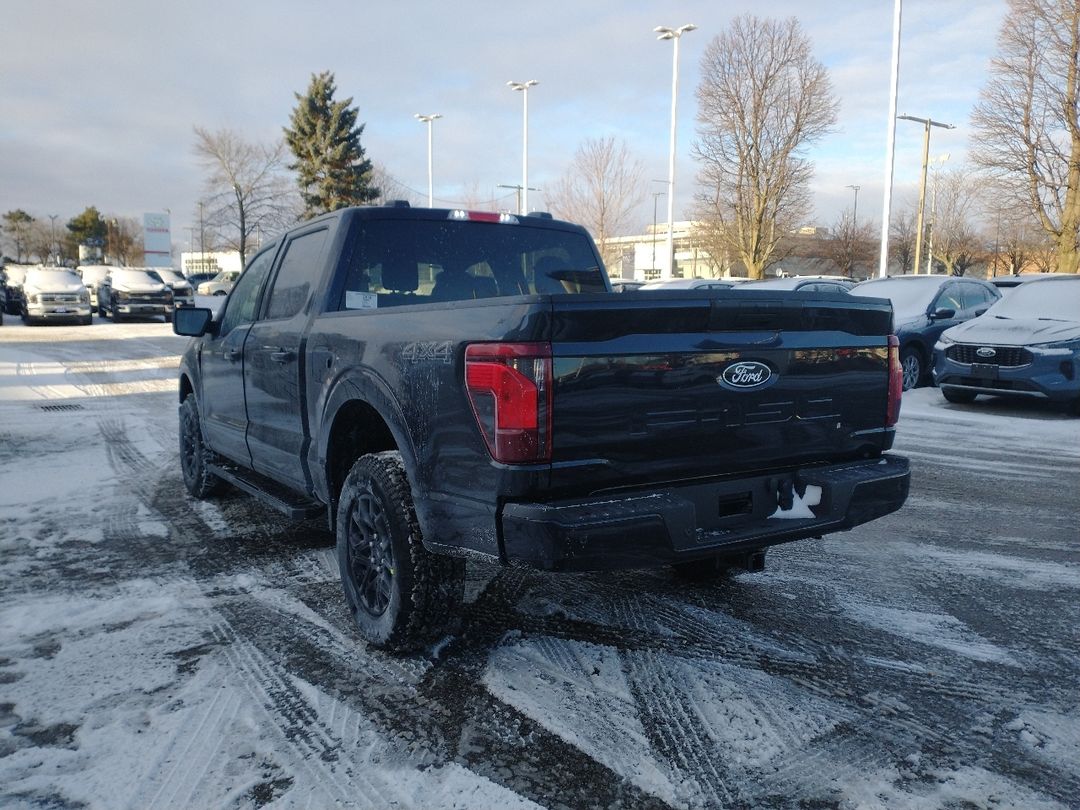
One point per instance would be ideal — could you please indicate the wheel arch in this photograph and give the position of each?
(360, 417)
(186, 386)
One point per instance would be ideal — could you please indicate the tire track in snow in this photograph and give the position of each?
(448, 716)
(191, 756)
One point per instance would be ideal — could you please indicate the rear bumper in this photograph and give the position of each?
(677, 524)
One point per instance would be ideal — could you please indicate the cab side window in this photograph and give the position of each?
(243, 303)
(298, 275)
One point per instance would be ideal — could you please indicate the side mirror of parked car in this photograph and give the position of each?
(192, 321)
(943, 314)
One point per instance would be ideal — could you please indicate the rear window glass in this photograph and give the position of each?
(406, 262)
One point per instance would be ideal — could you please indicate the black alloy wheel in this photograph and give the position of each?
(371, 552)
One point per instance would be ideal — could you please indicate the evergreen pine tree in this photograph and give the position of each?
(324, 137)
(87, 226)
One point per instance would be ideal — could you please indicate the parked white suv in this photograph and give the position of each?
(55, 294)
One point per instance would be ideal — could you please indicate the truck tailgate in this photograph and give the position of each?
(657, 386)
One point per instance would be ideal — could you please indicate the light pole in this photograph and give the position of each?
(939, 160)
(855, 210)
(517, 191)
(890, 141)
(674, 34)
(655, 195)
(52, 235)
(428, 119)
(927, 123)
(524, 88)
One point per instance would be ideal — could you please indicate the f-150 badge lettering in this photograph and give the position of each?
(746, 374)
(436, 351)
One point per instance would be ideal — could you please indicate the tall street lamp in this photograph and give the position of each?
(855, 209)
(52, 235)
(674, 34)
(427, 119)
(927, 123)
(890, 141)
(939, 161)
(524, 88)
(655, 195)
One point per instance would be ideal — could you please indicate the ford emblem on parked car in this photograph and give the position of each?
(746, 374)
(986, 351)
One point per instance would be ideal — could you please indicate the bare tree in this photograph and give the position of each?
(1014, 237)
(762, 100)
(600, 190)
(902, 239)
(1027, 131)
(390, 188)
(850, 243)
(955, 238)
(248, 191)
(126, 239)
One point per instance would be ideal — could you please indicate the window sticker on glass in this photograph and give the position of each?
(361, 300)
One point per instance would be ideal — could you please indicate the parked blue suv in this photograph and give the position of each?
(923, 308)
(1028, 345)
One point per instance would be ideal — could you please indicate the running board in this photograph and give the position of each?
(283, 499)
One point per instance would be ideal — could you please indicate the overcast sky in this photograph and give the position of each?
(98, 100)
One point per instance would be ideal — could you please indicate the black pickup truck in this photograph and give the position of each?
(452, 384)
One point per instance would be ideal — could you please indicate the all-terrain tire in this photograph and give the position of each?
(194, 454)
(401, 595)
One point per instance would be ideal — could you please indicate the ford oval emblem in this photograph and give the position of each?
(986, 351)
(746, 374)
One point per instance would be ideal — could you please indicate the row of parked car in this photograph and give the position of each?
(43, 294)
(1015, 336)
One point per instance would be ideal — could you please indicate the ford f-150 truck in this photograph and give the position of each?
(452, 384)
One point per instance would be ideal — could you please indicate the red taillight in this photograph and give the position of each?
(509, 387)
(896, 382)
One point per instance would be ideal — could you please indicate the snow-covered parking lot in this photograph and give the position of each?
(157, 652)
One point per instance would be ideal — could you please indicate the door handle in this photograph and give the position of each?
(283, 356)
(232, 354)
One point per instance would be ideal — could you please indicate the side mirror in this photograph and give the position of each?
(192, 321)
(942, 314)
